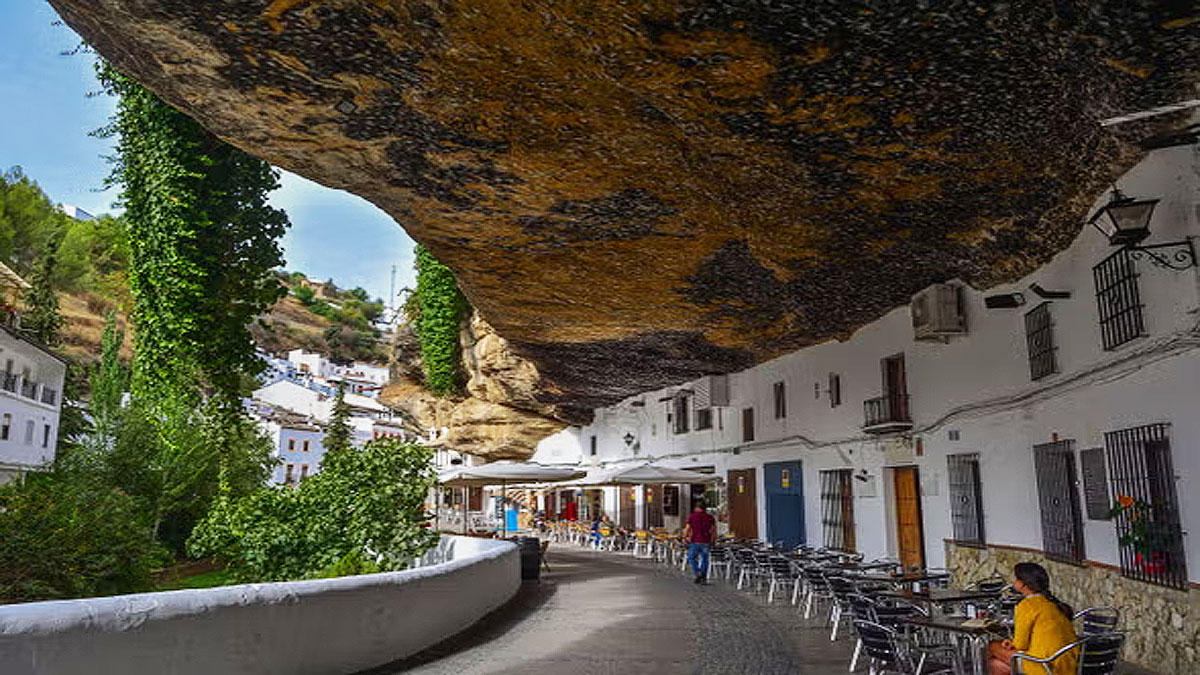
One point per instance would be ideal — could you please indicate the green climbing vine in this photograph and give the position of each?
(442, 307)
(202, 244)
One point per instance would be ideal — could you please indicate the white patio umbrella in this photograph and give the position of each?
(646, 474)
(502, 474)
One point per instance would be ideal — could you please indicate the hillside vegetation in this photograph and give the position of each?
(92, 280)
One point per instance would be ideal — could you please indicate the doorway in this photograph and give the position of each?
(652, 500)
(785, 503)
(743, 503)
(910, 536)
(895, 388)
(627, 507)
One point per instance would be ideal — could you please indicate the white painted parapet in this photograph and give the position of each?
(335, 626)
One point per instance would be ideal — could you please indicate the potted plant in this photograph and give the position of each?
(1149, 540)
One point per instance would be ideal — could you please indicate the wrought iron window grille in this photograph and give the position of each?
(1149, 531)
(1058, 499)
(966, 504)
(1118, 299)
(1039, 341)
(837, 510)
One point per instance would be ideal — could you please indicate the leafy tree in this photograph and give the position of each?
(363, 512)
(442, 308)
(338, 438)
(203, 242)
(28, 219)
(305, 295)
(64, 534)
(41, 320)
(110, 380)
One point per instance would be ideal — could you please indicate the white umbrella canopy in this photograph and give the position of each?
(646, 474)
(503, 473)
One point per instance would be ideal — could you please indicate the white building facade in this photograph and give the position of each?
(1008, 442)
(30, 403)
(297, 445)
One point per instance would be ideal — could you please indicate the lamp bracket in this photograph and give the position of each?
(1176, 255)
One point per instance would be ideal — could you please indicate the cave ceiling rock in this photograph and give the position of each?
(639, 193)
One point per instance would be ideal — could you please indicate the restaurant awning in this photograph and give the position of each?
(507, 473)
(646, 474)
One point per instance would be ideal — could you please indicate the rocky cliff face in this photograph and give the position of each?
(635, 194)
(499, 418)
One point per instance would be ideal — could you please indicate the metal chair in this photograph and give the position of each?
(862, 608)
(1098, 655)
(641, 544)
(817, 589)
(842, 588)
(720, 557)
(1098, 620)
(887, 652)
(781, 574)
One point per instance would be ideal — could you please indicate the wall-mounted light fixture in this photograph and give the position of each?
(628, 438)
(1125, 221)
(1004, 301)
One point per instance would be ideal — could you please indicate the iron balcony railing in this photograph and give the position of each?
(886, 410)
(9, 382)
(29, 389)
(49, 396)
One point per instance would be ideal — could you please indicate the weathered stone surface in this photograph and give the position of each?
(1162, 625)
(501, 418)
(635, 194)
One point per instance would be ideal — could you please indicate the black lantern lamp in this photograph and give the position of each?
(628, 439)
(1125, 222)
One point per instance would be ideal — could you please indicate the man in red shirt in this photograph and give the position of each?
(700, 532)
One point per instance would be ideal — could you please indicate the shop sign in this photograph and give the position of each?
(785, 478)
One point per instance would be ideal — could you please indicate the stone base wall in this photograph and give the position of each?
(1162, 625)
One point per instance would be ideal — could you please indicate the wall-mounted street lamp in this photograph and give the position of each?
(1125, 221)
(628, 439)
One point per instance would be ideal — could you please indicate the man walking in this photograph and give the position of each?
(699, 532)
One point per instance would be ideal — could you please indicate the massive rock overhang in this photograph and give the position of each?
(636, 194)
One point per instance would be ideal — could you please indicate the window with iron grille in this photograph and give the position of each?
(780, 400)
(1039, 339)
(966, 503)
(1149, 532)
(1058, 497)
(592, 446)
(679, 419)
(703, 419)
(747, 425)
(1118, 300)
(837, 510)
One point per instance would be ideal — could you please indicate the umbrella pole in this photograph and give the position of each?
(503, 510)
(466, 495)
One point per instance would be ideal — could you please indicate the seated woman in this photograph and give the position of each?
(1042, 625)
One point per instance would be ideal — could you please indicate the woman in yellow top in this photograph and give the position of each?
(1042, 626)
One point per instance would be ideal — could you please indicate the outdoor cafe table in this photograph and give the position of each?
(940, 596)
(900, 579)
(862, 566)
(976, 637)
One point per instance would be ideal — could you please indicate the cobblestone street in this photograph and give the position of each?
(601, 613)
(610, 613)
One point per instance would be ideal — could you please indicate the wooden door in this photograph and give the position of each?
(652, 501)
(475, 499)
(627, 507)
(909, 534)
(895, 388)
(743, 504)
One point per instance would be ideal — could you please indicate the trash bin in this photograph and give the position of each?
(531, 556)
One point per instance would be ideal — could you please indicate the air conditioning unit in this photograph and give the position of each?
(711, 391)
(937, 313)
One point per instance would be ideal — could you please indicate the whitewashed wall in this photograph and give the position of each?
(20, 450)
(977, 385)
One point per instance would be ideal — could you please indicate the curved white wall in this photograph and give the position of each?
(336, 626)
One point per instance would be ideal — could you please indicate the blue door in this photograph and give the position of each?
(785, 503)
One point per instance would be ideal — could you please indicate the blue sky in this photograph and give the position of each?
(45, 117)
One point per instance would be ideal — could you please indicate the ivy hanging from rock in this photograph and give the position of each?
(442, 306)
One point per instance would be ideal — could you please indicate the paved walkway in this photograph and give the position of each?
(610, 613)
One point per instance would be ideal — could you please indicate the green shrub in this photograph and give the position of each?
(363, 512)
(64, 535)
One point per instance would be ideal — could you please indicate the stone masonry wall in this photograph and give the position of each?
(1162, 624)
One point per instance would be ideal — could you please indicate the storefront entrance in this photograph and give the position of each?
(785, 503)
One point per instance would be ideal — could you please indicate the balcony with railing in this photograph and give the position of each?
(8, 381)
(49, 396)
(886, 414)
(29, 389)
